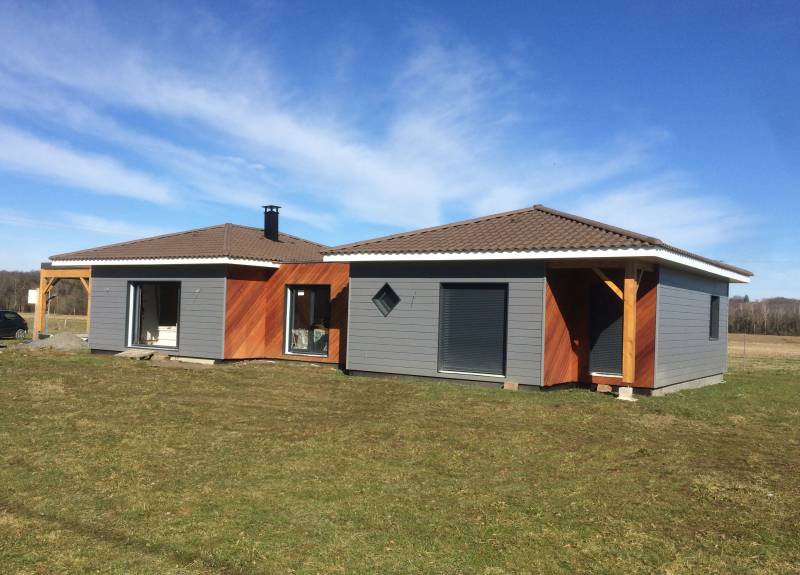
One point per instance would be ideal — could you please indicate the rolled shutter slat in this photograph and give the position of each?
(472, 330)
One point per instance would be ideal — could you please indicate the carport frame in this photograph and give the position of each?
(49, 277)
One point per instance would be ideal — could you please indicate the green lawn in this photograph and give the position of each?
(118, 466)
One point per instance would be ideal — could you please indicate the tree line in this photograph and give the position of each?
(770, 316)
(14, 285)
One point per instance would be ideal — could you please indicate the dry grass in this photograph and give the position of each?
(57, 323)
(754, 352)
(116, 466)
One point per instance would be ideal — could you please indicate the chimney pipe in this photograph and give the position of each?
(271, 222)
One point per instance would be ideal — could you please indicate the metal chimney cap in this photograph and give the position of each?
(271, 208)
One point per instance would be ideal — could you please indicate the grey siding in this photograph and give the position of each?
(202, 310)
(684, 351)
(406, 341)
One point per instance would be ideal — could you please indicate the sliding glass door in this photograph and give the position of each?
(308, 319)
(153, 310)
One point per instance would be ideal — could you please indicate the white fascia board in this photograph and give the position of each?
(166, 262)
(656, 253)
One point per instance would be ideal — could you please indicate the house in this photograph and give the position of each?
(532, 298)
(221, 292)
(537, 298)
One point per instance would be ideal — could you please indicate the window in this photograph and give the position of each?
(385, 300)
(713, 329)
(153, 311)
(308, 317)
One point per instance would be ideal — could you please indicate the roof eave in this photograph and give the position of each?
(653, 253)
(97, 262)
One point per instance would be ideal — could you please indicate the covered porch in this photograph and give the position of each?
(600, 323)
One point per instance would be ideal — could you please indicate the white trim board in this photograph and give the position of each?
(655, 253)
(166, 262)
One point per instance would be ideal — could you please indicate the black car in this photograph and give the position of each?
(12, 324)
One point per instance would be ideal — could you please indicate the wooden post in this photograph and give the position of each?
(87, 285)
(41, 300)
(629, 323)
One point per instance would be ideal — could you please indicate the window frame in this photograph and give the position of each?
(287, 318)
(713, 310)
(132, 326)
(379, 303)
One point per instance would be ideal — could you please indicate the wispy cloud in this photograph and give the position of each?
(23, 152)
(672, 210)
(119, 229)
(444, 143)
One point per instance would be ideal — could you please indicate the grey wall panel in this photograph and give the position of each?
(202, 311)
(683, 349)
(406, 341)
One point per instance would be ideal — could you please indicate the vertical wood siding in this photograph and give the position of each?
(406, 341)
(684, 351)
(202, 306)
(255, 323)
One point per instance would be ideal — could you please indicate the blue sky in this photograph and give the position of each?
(680, 120)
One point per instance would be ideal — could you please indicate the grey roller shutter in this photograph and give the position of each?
(472, 328)
(605, 331)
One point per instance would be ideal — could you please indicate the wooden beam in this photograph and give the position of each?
(85, 284)
(67, 273)
(606, 280)
(629, 323)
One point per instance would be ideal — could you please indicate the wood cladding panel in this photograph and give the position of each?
(246, 312)
(646, 330)
(256, 320)
(566, 344)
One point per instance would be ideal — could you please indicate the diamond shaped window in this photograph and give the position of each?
(385, 300)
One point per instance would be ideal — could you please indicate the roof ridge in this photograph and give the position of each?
(226, 240)
(283, 234)
(599, 225)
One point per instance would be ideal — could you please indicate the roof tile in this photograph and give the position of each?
(225, 240)
(537, 228)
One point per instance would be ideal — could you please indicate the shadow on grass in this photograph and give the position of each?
(116, 537)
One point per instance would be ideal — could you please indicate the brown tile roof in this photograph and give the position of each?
(225, 240)
(530, 229)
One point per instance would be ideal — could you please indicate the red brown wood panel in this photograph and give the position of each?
(265, 338)
(246, 311)
(566, 336)
(646, 330)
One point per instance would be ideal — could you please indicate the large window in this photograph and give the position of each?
(308, 317)
(153, 314)
(713, 328)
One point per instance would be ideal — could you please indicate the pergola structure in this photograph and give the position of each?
(49, 277)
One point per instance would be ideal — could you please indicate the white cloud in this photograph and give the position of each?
(23, 152)
(82, 222)
(669, 208)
